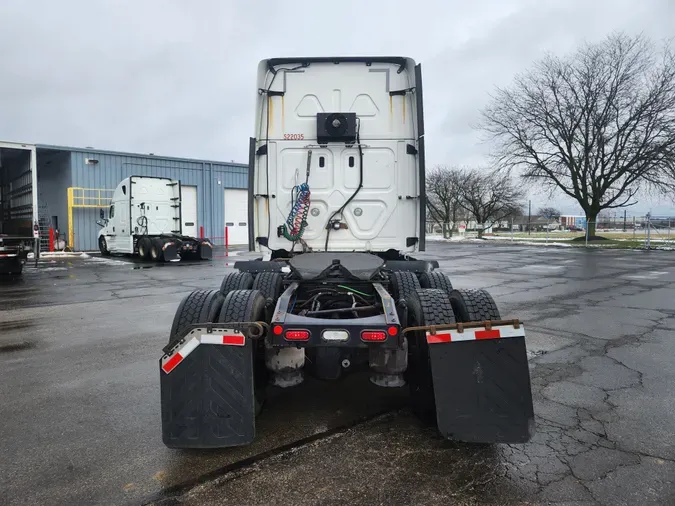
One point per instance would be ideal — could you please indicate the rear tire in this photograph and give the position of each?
(216, 306)
(403, 284)
(436, 279)
(236, 281)
(249, 306)
(156, 251)
(473, 305)
(425, 307)
(269, 284)
(144, 245)
(196, 307)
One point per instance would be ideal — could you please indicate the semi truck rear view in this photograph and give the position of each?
(144, 219)
(336, 185)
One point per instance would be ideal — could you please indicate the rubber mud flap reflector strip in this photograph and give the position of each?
(171, 363)
(231, 338)
(452, 336)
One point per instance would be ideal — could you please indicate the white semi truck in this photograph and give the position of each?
(145, 219)
(337, 196)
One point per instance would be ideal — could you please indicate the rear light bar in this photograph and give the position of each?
(297, 335)
(373, 335)
(336, 335)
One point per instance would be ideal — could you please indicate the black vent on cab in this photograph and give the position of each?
(336, 127)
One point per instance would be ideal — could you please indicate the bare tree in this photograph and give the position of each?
(443, 188)
(550, 213)
(490, 197)
(598, 125)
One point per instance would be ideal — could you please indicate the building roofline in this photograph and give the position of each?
(141, 155)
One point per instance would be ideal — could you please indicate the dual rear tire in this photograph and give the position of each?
(436, 306)
(151, 249)
(157, 250)
(239, 305)
(405, 283)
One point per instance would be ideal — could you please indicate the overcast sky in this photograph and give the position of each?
(175, 77)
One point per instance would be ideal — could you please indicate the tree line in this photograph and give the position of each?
(487, 198)
(463, 194)
(596, 125)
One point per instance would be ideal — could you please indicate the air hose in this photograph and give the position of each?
(296, 222)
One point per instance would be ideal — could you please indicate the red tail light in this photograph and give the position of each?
(374, 335)
(297, 335)
(392, 331)
(278, 330)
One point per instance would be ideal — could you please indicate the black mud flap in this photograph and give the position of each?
(482, 390)
(170, 252)
(205, 252)
(207, 397)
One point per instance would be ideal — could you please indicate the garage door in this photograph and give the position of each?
(236, 216)
(189, 210)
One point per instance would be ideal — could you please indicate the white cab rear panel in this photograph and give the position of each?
(157, 202)
(385, 213)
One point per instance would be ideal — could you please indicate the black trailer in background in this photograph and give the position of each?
(19, 230)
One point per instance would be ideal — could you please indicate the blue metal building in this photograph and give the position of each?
(60, 168)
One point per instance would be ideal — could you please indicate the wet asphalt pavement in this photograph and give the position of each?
(79, 394)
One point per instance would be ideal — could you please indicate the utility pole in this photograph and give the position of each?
(529, 217)
(624, 220)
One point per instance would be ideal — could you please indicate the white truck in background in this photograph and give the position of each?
(144, 219)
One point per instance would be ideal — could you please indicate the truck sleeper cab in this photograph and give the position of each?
(336, 185)
(144, 219)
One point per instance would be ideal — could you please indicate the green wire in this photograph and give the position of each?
(355, 291)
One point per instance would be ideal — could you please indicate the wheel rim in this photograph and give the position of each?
(153, 253)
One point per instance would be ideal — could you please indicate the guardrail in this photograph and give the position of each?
(87, 198)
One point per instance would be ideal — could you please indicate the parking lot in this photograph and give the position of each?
(80, 340)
